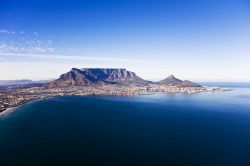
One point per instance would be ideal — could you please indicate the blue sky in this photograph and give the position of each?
(201, 40)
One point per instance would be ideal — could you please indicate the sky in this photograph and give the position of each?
(199, 40)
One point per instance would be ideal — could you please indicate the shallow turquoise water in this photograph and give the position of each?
(201, 129)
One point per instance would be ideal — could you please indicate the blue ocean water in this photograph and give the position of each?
(175, 129)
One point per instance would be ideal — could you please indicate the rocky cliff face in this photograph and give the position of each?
(97, 76)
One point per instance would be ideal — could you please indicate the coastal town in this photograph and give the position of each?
(11, 97)
(97, 82)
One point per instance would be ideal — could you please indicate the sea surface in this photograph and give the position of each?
(206, 129)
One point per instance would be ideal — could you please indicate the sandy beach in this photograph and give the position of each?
(7, 111)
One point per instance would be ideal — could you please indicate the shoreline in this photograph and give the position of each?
(207, 89)
(8, 110)
(12, 108)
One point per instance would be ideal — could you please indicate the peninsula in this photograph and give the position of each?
(96, 81)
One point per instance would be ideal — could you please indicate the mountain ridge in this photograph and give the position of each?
(118, 76)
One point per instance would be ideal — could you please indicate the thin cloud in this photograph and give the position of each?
(4, 31)
(35, 33)
(24, 46)
(43, 50)
(73, 57)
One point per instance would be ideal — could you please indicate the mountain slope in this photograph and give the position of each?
(187, 83)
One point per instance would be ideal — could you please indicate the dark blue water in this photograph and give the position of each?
(227, 84)
(208, 129)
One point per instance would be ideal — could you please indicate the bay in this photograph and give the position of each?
(160, 129)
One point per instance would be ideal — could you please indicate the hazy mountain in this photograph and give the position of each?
(14, 82)
(21, 83)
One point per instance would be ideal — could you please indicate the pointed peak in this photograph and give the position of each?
(170, 80)
(171, 76)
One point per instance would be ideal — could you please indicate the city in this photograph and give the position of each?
(11, 97)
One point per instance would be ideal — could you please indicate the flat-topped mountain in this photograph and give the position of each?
(97, 76)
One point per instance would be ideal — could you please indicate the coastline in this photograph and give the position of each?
(12, 108)
(8, 110)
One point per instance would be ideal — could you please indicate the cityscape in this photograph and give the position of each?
(17, 95)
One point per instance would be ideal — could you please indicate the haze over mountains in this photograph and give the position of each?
(100, 76)
(20, 82)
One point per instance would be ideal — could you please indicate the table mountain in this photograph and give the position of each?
(97, 76)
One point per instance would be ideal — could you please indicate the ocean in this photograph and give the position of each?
(205, 129)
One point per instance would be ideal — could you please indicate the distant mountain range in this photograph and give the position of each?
(102, 76)
(14, 82)
(20, 82)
